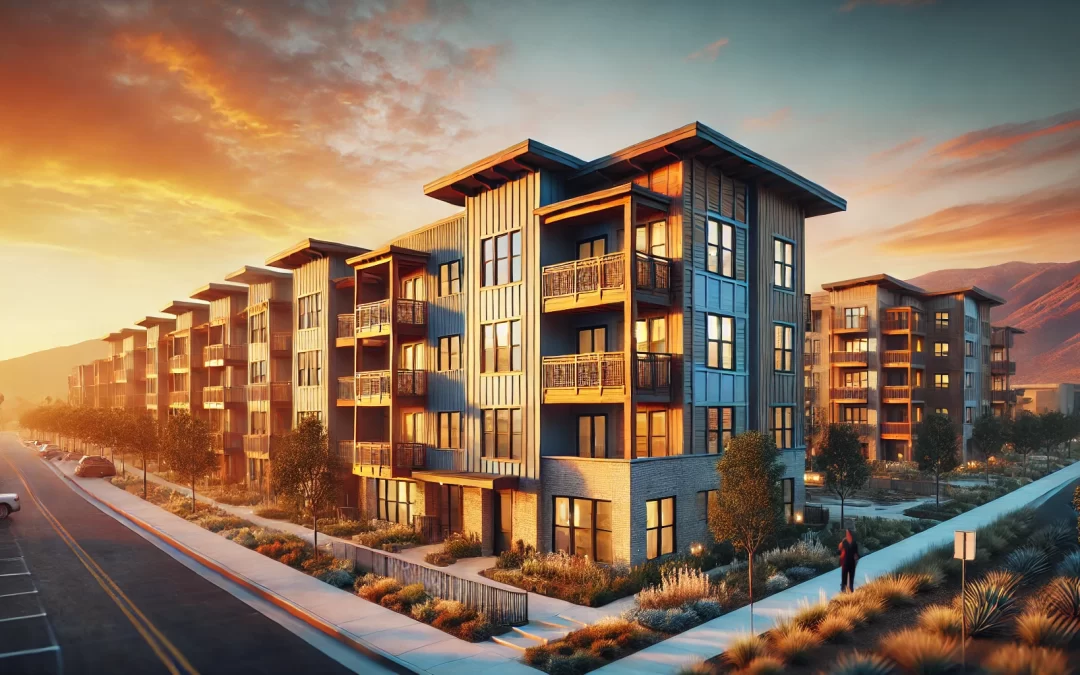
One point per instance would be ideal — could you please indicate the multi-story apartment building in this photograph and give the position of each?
(1042, 398)
(81, 386)
(882, 353)
(225, 358)
(562, 362)
(321, 290)
(128, 353)
(269, 320)
(187, 373)
(157, 378)
(1003, 396)
(102, 389)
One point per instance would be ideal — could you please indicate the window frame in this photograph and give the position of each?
(782, 353)
(304, 368)
(592, 418)
(719, 434)
(571, 527)
(784, 434)
(782, 267)
(450, 278)
(941, 320)
(941, 349)
(660, 527)
(489, 342)
(650, 437)
(308, 310)
(941, 381)
(491, 433)
(449, 358)
(447, 438)
(383, 501)
(787, 498)
(496, 264)
(720, 254)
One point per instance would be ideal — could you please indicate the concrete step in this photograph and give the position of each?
(571, 621)
(540, 632)
(514, 640)
(558, 623)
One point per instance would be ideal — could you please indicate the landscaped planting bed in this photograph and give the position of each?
(456, 547)
(447, 615)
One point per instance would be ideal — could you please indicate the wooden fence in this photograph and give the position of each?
(502, 607)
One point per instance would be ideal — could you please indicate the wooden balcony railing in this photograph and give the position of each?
(179, 361)
(226, 440)
(223, 353)
(275, 392)
(1003, 396)
(590, 275)
(599, 370)
(405, 455)
(261, 444)
(863, 429)
(411, 383)
(346, 390)
(900, 357)
(848, 393)
(896, 428)
(373, 386)
(902, 393)
(180, 398)
(346, 325)
(1003, 367)
(281, 342)
(224, 395)
(372, 453)
(860, 358)
(375, 317)
(859, 323)
(905, 320)
(652, 372)
(652, 273)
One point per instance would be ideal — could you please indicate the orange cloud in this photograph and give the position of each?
(1003, 137)
(775, 119)
(897, 150)
(709, 52)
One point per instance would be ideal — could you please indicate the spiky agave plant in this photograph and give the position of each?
(990, 602)
(1024, 660)
(1027, 562)
(941, 620)
(920, 652)
(1063, 596)
(1043, 629)
(1069, 566)
(1054, 538)
(858, 663)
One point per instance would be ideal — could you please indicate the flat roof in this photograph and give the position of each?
(1010, 329)
(156, 321)
(109, 337)
(216, 290)
(309, 249)
(128, 332)
(250, 274)
(391, 250)
(178, 307)
(491, 481)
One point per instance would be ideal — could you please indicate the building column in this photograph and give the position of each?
(479, 516)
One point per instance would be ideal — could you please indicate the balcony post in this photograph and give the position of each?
(629, 322)
(395, 359)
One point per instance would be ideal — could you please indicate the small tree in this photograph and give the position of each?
(988, 435)
(1055, 432)
(187, 445)
(841, 460)
(306, 470)
(1025, 433)
(816, 425)
(749, 507)
(142, 438)
(936, 448)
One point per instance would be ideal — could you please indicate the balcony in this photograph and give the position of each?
(902, 358)
(346, 330)
(810, 359)
(260, 446)
(376, 459)
(863, 429)
(904, 320)
(346, 390)
(221, 355)
(895, 430)
(652, 377)
(652, 278)
(589, 282)
(1003, 396)
(346, 453)
(896, 394)
(848, 394)
(1002, 367)
(129, 400)
(226, 441)
(810, 393)
(585, 378)
(373, 387)
(411, 383)
(219, 397)
(850, 324)
(180, 362)
(274, 392)
(844, 359)
(374, 319)
(185, 399)
(281, 343)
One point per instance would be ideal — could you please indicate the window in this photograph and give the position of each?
(784, 427)
(592, 340)
(997, 383)
(395, 500)
(502, 259)
(502, 433)
(502, 347)
(592, 436)
(583, 527)
(651, 335)
(969, 415)
(450, 352)
(592, 248)
(650, 435)
(787, 491)
(308, 310)
(707, 499)
(855, 317)
(941, 320)
(855, 414)
(258, 328)
(449, 278)
(412, 427)
(720, 342)
(858, 379)
(260, 422)
(309, 368)
(918, 344)
(302, 415)
(151, 385)
(784, 264)
(450, 430)
(784, 348)
(941, 349)
(412, 288)
(412, 356)
(858, 345)
(969, 348)
(969, 380)
(719, 428)
(720, 248)
(941, 380)
(918, 413)
(651, 238)
(659, 527)
(258, 372)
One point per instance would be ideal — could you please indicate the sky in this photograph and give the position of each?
(147, 148)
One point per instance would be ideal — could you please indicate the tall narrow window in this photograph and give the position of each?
(592, 436)
(652, 238)
(450, 278)
(784, 427)
(309, 310)
(450, 352)
(502, 433)
(719, 428)
(719, 341)
(309, 368)
(258, 328)
(784, 264)
(783, 348)
(720, 248)
(501, 347)
(450, 430)
(969, 348)
(787, 493)
(502, 259)
(651, 335)
(659, 527)
(651, 436)
(412, 288)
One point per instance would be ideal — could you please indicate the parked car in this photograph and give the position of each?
(9, 503)
(50, 451)
(72, 456)
(93, 466)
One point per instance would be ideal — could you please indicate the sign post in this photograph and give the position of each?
(963, 550)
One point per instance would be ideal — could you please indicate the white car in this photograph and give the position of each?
(9, 503)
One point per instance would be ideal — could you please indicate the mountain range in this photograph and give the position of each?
(1040, 298)
(26, 380)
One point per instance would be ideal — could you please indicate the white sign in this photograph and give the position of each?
(964, 545)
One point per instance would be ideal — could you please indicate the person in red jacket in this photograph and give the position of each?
(849, 555)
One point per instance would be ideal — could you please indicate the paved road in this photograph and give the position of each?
(114, 602)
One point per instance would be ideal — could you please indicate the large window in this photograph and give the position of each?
(260, 422)
(859, 379)
(258, 372)
(783, 348)
(309, 368)
(502, 347)
(659, 527)
(650, 335)
(941, 380)
(502, 433)
(651, 238)
(720, 248)
(395, 500)
(941, 349)
(583, 527)
(854, 317)
(720, 342)
(941, 320)
(450, 278)
(502, 259)
(784, 264)
(450, 352)
(783, 426)
(450, 430)
(651, 433)
(719, 428)
(308, 310)
(258, 328)
(592, 436)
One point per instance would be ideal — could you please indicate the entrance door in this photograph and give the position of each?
(504, 519)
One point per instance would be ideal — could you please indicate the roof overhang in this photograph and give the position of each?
(490, 481)
(178, 307)
(884, 280)
(109, 337)
(603, 200)
(979, 293)
(151, 321)
(307, 250)
(379, 256)
(216, 290)
(526, 157)
(249, 274)
(714, 148)
(128, 332)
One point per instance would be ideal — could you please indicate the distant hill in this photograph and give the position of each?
(34, 376)
(1041, 298)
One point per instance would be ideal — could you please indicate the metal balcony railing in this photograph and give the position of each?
(373, 386)
(275, 392)
(652, 272)
(848, 393)
(861, 358)
(652, 372)
(599, 370)
(346, 390)
(589, 275)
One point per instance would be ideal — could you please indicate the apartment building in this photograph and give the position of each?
(1042, 398)
(562, 362)
(225, 357)
(882, 353)
(1003, 395)
(102, 389)
(268, 322)
(187, 373)
(156, 376)
(127, 349)
(81, 385)
(321, 290)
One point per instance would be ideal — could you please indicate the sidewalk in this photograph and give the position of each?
(375, 630)
(713, 637)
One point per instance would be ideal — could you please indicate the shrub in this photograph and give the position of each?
(536, 657)
(853, 613)
(243, 536)
(388, 534)
(1063, 596)
(916, 651)
(809, 616)
(337, 578)
(990, 602)
(273, 512)
(1040, 629)
(423, 611)
(677, 588)
(857, 663)
(1054, 538)
(707, 609)
(674, 620)
(344, 528)
(574, 664)
(1027, 562)
(834, 627)
(698, 668)
(895, 589)
(745, 649)
(800, 573)
(605, 649)
(868, 603)
(403, 600)
(1024, 660)
(764, 665)
(799, 554)
(374, 590)
(1069, 566)
(463, 546)
(776, 583)
(795, 646)
(233, 495)
(219, 523)
(290, 552)
(941, 620)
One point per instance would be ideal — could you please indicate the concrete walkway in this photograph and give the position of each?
(398, 639)
(712, 638)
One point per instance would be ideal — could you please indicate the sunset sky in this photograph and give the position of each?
(147, 148)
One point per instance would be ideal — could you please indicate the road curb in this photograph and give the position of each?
(313, 620)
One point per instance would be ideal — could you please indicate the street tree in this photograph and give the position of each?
(936, 448)
(816, 424)
(749, 506)
(1025, 434)
(187, 446)
(1055, 432)
(841, 459)
(987, 436)
(306, 470)
(142, 438)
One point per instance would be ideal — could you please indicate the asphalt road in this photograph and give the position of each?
(115, 603)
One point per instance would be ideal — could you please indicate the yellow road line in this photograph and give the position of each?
(142, 624)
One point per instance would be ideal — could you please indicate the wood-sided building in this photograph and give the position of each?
(187, 374)
(157, 377)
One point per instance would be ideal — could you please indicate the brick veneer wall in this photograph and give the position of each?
(478, 517)
(604, 479)
(526, 517)
(682, 477)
